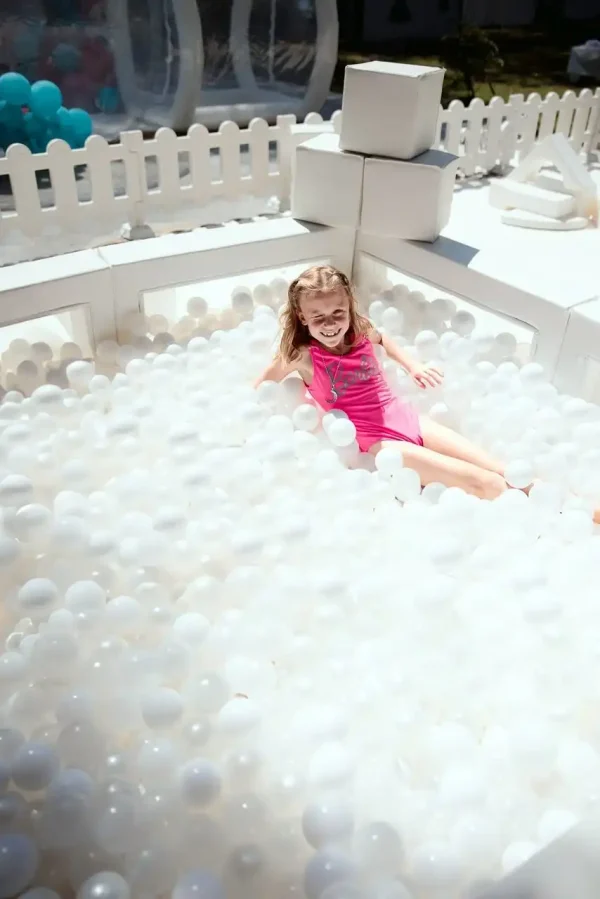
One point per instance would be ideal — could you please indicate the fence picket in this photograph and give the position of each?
(26, 197)
(455, 117)
(566, 113)
(135, 176)
(473, 157)
(258, 139)
(313, 118)
(199, 150)
(284, 153)
(583, 109)
(231, 169)
(61, 162)
(495, 118)
(593, 128)
(167, 157)
(530, 116)
(100, 173)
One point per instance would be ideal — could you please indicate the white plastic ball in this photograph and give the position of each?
(389, 461)
(406, 485)
(199, 783)
(306, 417)
(34, 766)
(162, 708)
(18, 863)
(519, 474)
(237, 717)
(391, 320)
(38, 594)
(327, 822)
(325, 869)
(105, 885)
(341, 432)
(198, 884)
(332, 765)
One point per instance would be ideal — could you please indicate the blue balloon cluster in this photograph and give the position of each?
(33, 114)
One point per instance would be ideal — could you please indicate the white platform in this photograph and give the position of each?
(534, 277)
(578, 369)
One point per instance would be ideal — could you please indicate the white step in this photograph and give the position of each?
(509, 194)
(522, 219)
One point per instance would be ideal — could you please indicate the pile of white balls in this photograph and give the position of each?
(236, 668)
(25, 365)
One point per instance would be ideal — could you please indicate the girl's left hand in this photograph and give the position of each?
(426, 376)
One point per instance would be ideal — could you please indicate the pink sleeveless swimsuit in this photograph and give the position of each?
(355, 384)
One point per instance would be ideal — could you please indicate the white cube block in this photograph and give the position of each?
(509, 194)
(303, 132)
(326, 183)
(390, 109)
(410, 199)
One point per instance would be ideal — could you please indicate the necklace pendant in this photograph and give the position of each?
(334, 395)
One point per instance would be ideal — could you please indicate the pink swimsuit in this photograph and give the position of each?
(355, 384)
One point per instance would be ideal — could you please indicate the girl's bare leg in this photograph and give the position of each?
(444, 440)
(434, 467)
(447, 442)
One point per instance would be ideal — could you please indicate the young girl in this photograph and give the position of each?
(331, 346)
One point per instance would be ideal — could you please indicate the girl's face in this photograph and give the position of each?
(327, 316)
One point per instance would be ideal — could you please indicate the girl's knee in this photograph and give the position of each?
(487, 484)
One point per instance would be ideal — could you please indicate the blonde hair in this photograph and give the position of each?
(318, 279)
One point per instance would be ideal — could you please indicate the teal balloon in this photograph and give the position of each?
(26, 45)
(33, 125)
(11, 116)
(66, 58)
(15, 89)
(46, 99)
(108, 100)
(65, 128)
(12, 122)
(82, 125)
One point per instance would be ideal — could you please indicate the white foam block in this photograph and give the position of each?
(409, 199)
(326, 183)
(550, 179)
(521, 219)
(509, 194)
(390, 109)
(576, 178)
(303, 132)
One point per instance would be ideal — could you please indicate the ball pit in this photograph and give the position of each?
(234, 666)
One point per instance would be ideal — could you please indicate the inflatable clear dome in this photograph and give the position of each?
(153, 63)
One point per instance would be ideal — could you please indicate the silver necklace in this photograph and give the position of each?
(334, 393)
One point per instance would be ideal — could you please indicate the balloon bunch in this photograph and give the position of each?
(33, 114)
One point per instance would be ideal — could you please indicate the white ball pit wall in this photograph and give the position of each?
(241, 670)
(447, 265)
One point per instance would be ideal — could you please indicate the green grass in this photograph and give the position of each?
(534, 61)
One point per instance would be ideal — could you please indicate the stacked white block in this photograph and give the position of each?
(381, 175)
(411, 200)
(390, 109)
(327, 183)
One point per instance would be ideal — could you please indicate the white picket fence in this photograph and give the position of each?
(104, 185)
(503, 132)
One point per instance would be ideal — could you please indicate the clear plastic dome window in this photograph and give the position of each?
(153, 63)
